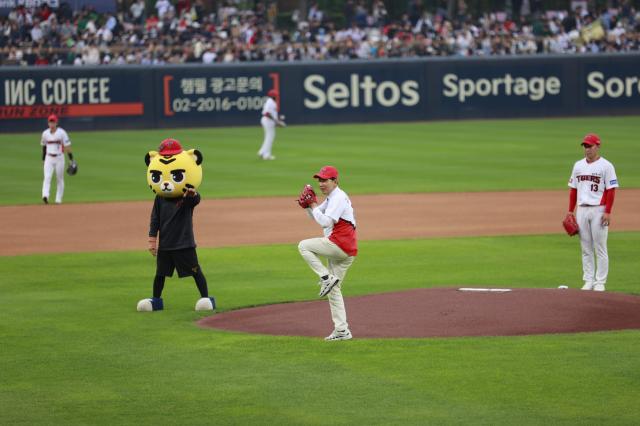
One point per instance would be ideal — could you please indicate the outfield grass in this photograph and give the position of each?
(488, 155)
(74, 351)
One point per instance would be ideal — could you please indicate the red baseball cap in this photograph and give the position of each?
(591, 139)
(327, 172)
(170, 147)
(53, 117)
(273, 93)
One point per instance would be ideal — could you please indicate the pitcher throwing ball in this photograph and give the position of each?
(339, 245)
(593, 183)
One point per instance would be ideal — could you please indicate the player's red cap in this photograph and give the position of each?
(273, 93)
(327, 172)
(53, 118)
(170, 147)
(591, 139)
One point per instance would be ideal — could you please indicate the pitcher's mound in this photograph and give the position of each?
(445, 312)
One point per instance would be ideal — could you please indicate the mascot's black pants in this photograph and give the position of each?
(185, 261)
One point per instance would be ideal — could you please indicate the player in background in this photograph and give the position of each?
(55, 142)
(270, 119)
(593, 184)
(339, 245)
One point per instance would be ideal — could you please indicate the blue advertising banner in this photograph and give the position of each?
(214, 96)
(506, 87)
(327, 92)
(606, 86)
(81, 95)
(363, 91)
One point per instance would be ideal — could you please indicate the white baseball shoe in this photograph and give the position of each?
(587, 286)
(150, 305)
(339, 335)
(598, 287)
(328, 285)
(206, 304)
(268, 157)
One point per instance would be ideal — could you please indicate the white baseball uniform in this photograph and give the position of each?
(54, 160)
(269, 126)
(339, 246)
(592, 181)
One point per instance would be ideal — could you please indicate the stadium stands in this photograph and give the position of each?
(185, 31)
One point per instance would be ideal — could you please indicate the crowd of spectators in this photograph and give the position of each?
(187, 31)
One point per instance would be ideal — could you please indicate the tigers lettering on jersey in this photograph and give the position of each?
(592, 178)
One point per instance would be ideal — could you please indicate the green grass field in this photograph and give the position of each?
(74, 351)
(373, 158)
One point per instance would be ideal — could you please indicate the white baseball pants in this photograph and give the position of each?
(593, 241)
(269, 128)
(338, 262)
(52, 164)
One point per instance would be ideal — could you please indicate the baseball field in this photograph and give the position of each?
(73, 350)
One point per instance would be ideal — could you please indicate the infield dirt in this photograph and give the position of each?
(253, 221)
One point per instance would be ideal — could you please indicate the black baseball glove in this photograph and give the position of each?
(72, 168)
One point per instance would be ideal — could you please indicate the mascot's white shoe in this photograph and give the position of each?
(149, 305)
(206, 304)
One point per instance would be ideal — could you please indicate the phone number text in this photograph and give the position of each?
(243, 103)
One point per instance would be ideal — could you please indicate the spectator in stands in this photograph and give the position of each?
(315, 14)
(231, 34)
(163, 7)
(137, 11)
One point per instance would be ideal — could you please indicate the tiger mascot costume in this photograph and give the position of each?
(174, 175)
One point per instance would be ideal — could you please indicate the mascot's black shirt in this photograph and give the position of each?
(173, 217)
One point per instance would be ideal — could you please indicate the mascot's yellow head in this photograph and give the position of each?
(172, 171)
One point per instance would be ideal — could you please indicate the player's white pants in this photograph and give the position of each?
(593, 240)
(52, 164)
(338, 262)
(269, 128)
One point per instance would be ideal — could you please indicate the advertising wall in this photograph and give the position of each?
(82, 97)
(329, 92)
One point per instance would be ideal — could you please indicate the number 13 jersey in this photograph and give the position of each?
(592, 180)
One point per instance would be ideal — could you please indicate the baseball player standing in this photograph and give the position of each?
(269, 121)
(593, 184)
(55, 142)
(339, 245)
